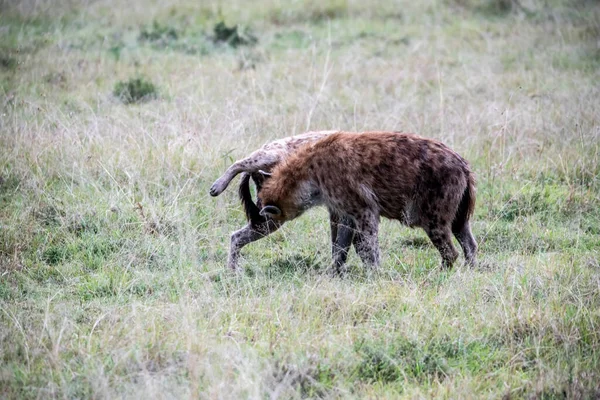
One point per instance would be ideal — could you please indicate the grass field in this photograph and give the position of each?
(116, 117)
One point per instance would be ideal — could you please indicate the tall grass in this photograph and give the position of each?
(112, 254)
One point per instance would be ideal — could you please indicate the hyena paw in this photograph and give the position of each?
(232, 264)
(217, 188)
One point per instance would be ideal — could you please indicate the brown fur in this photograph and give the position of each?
(420, 182)
(264, 159)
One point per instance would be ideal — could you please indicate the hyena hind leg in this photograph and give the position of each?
(441, 237)
(467, 242)
(221, 184)
(254, 162)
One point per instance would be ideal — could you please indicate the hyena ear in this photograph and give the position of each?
(270, 211)
(264, 173)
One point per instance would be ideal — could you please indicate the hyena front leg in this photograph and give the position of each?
(248, 234)
(366, 239)
(342, 236)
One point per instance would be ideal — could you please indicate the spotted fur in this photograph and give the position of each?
(361, 177)
(254, 167)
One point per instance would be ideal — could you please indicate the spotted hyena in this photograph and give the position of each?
(361, 177)
(256, 167)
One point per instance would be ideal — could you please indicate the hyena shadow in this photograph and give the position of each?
(417, 242)
(303, 264)
(296, 264)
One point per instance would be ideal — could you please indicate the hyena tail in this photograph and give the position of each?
(251, 209)
(466, 206)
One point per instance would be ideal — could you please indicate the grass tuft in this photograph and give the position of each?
(158, 33)
(233, 36)
(7, 62)
(309, 12)
(400, 360)
(135, 90)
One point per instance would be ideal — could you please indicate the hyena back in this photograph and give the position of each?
(418, 181)
(257, 167)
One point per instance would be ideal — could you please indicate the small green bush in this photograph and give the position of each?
(135, 90)
(232, 36)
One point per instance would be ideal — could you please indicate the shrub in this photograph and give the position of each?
(135, 90)
(232, 36)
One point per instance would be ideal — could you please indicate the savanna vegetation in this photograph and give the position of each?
(116, 117)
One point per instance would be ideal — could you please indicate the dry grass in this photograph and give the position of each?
(112, 254)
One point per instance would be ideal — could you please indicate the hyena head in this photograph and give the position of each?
(286, 196)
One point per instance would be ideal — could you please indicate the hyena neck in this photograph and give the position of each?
(308, 195)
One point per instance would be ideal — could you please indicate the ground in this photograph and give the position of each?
(117, 116)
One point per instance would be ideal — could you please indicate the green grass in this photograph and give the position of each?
(112, 253)
(135, 90)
